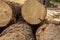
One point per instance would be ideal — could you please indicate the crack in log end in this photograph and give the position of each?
(40, 19)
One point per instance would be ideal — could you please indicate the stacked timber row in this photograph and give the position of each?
(48, 32)
(18, 31)
(6, 14)
(33, 12)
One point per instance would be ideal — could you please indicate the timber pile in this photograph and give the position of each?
(19, 20)
(53, 15)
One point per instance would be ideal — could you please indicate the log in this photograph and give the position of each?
(33, 12)
(48, 32)
(53, 15)
(6, 14)
(18, 31)
(17, 1)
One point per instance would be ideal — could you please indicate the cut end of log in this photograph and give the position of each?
(5, 14)
(33, 12)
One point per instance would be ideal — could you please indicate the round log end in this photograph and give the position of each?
(33, 12)
(5, 14)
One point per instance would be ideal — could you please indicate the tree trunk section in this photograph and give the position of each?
(53, 15)
(18, 31)
(48, 32)
(6, 14)
(33, 12)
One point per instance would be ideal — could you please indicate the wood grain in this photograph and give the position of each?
(33, 12)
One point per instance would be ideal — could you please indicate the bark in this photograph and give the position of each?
(48, 32)
(18, 31)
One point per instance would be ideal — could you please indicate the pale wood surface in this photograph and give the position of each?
(33, 12)
(6, 13)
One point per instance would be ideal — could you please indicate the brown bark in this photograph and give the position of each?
(18, 31)
(48, 32)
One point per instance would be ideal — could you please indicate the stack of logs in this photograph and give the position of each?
(19, 20)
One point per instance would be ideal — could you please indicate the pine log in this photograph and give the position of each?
(33, 12)
(48, 32)
(53, 15)
(18, 31)
(6, 14)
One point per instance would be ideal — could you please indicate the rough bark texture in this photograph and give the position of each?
(48, 32)
(53, 15)
(18, 31)
(6, 14)
(33, 12)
